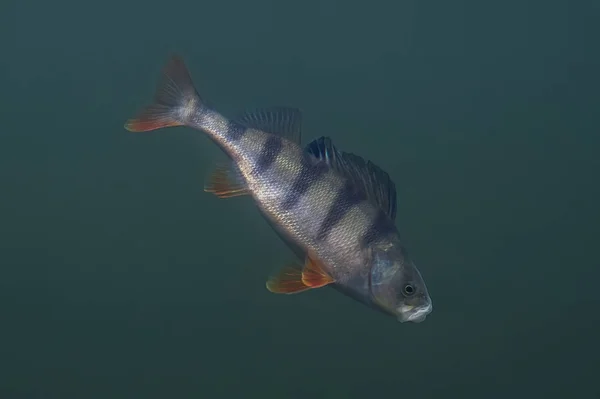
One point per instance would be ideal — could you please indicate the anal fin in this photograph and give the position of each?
(224, 182)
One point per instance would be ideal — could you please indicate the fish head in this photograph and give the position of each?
(397, 286)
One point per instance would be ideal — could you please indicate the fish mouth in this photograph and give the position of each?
(414, 314)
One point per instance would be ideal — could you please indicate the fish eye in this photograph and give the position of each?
(408, 290)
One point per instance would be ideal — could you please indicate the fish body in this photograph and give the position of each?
(333, 208)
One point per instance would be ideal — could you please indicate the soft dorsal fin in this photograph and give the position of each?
(370, 178)
(284, 121)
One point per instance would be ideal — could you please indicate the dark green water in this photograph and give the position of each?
(121, 278)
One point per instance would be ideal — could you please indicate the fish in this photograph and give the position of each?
(334, 209)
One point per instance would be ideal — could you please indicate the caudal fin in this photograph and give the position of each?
(175, 100)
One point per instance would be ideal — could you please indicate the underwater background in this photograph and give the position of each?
(121, 278)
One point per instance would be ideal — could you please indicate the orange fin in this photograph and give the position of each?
(175, 100)
(223, 183)
(313, 274)
(151, 118)
(287, 281)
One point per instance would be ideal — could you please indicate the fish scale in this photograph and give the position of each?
(335, 210)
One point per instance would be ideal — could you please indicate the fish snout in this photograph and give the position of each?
(415, 314)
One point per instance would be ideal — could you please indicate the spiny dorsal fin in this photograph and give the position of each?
(370, 178)
(284, 121)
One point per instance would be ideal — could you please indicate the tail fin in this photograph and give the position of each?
(175, 100)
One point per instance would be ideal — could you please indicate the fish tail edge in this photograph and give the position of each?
(175, 100)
